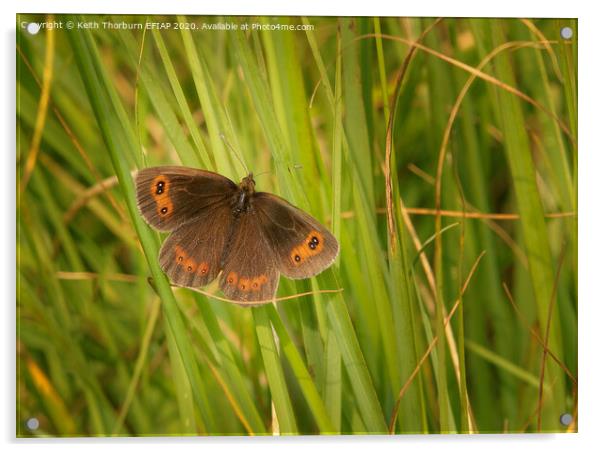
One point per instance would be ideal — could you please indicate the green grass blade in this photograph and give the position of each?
(303, 378)
(201, 150)
(363, 389)
(115, 135)
(275, 374)
(541, 269)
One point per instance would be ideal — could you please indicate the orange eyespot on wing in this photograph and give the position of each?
(159, 190)
(188, 263)
(171, 196)
(249, 287)
(191, 254)
(232, 279)
(311, 246)
(258, 282)
(244, 284)
(302, 247)
(249, 272)
(202, 268)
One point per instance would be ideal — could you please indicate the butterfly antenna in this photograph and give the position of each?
(295, 167)
(261, 174)
(223, 137)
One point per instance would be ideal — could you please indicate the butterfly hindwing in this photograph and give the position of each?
(249, 270)
(302, 246)
(191, 255)
(169, 196)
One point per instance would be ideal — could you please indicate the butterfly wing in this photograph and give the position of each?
(302, 246)
(249, 270)
(191, 255)
(169, 196)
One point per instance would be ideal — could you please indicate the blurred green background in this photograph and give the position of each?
(442, 153)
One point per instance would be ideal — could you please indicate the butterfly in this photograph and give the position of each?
(220, 229)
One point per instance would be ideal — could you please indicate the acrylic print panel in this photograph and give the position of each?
(441, 154)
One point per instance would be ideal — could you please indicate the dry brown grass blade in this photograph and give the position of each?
(421, 173)
(483, 75)
(49, 394)
(429, 349)
(78, 276)
(573, 425)
(480, 215)
(74, 186)
(260, 302)
(536, 410)
(429, 301)
(508, 240)
(489, 219)
(426, 266)
(547, 337)
(540, 36)
(447, 133)
(456, 108)
(231, 400)
(84, 197)
(151, 322)
(467, 420)
(38, 130)
(473, 214)
(73, 139)
(536, 336)
(389, 137)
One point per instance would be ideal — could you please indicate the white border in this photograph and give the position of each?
(462, 8)
(590, 227)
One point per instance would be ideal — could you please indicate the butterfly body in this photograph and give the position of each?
(244, 196)
(229, 231)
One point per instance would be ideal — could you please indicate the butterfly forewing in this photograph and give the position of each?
(249, 267)
(302, 246)
(169, 196)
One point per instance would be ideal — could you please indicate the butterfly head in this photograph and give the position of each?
(248, 184)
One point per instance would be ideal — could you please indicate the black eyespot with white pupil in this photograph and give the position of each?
(164, 210)
(160, 187)
(297, 258)
(313, 243)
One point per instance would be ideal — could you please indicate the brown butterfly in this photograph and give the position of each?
(221, 229)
